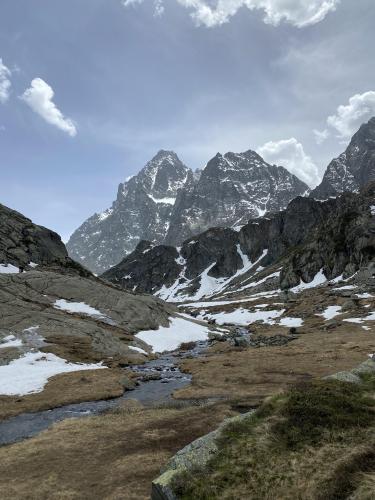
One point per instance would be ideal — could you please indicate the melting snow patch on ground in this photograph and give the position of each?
(30, 373)
(10, 341)
(370, 317)
(138, 349)
(346, 287)
(331, 312)
(372, 209)
(319, 279)
(76, 307)
(8, 269)
(178, 332)
(243, 317)
(291, 322)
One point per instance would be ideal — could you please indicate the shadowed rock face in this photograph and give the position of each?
(353, 169)
(167, 203)
(28, 300)
(142, 211)
(337, 236)
(232, 189)
(22, 242)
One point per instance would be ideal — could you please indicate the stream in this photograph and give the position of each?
(27, 425)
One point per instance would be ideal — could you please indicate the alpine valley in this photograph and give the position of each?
(231, 326)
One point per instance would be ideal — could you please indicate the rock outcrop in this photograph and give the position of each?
(166, 203)
(336, 236)
(58, 303)
(232, 189)
(23, 243)
(353, 169)
(195, 455)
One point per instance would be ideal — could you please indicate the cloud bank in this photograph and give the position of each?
(39, 96)
(290, 154)
(348, 117)
(299, 13)
(5, 83)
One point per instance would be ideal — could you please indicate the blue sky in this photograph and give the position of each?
(186, 75)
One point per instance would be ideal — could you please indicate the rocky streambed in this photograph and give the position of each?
(158, 379)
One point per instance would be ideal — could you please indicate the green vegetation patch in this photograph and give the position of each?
(313, 410)
(294, 443)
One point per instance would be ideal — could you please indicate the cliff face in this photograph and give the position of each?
(22, 242)
(232, 189)
(167, 203)
(142, 210)
(337, 236)
(353, 169)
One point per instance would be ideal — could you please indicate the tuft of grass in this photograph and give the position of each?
(313, 409)
(314, 438)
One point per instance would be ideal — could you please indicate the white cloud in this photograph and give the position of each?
(321, 135)
(159, 8)
(5, 82)
(349, 117)
(290, 154)
(299, 13)
(40, 99)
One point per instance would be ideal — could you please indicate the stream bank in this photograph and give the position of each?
(164, 378)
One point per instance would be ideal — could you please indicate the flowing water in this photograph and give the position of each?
(27, 425)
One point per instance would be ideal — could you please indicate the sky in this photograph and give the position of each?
(90, 90)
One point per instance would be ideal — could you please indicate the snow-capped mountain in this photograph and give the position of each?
(352, 169)
(167, 203)
(142, 210)
(232, 189)
(311, 241)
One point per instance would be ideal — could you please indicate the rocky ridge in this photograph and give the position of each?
(309, 239)
(56, 312)
(232, 189)
(353, 169)
(142, 210)
(166, 203)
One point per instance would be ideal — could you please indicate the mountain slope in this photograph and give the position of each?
(166, 203)
(232, 189)
(353, 169)
(336, 236)
(56, 315)
(142, 210)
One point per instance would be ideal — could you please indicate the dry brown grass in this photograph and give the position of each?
(257, 373)
(67, 388)
(315, 442)
(114, 456)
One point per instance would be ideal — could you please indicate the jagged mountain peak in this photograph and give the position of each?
(166, 203)
(354, 168)
(164, 175)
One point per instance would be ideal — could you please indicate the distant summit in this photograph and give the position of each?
(167, 202)
(353, 169)
(142, 210)
(232, 189)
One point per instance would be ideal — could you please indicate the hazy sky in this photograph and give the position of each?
(92, 89)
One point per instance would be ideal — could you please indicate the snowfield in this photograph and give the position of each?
(30, 373)
(242, 317)
(331, 312)
(319, 279)
(178, 332)
(76, 307)
(8, 269)
(10, 341)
